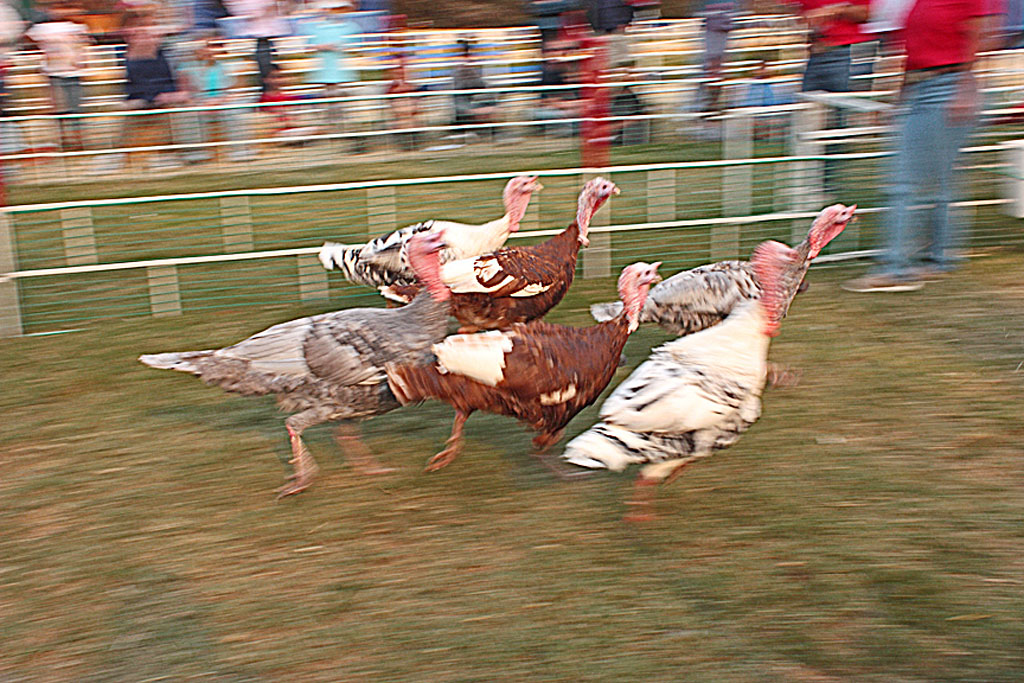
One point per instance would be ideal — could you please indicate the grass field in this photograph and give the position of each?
(869, 527)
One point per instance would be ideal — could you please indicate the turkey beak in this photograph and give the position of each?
(655, 275)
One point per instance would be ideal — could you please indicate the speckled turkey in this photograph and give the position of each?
(330, 366)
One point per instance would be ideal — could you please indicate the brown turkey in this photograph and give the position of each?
(330, 366)
(520, 284)
(540, 373)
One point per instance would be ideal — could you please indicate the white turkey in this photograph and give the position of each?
(694, 299)
(330, 366)
(517, 284)
(697, 393)
(379, 263)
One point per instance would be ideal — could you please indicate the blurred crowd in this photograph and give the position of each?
(175, 56)
(182, 56)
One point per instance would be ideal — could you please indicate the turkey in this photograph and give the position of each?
(519, 284)
(379, 263)
(330, 366)
(697, 393)
(540, 373)
(692, 300)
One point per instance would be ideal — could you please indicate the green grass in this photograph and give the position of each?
(868, 527)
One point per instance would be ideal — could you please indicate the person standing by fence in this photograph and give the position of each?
(937, 110)
(834, 28)
(63, 43)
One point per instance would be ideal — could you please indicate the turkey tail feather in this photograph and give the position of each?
(605, 446)
(181, 362)
(605, 311)
(347, 261)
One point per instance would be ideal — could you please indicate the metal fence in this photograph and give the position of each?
(62, 264)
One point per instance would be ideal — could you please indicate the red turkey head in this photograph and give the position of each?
(634, 283)
(829, 223)
(594, 194)
(423, 254)
(771, 261)
(517, 197)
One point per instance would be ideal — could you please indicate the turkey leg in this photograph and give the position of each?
(302, 461)
(347, 436)
(642, 500)
(454, 442)
(782, 377)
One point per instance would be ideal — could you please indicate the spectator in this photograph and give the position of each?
(626, 103)
(286, 126)
(63, 43)
(206, 14)
(264, 22)
(610, 18)
(937, 111)
(475, 107)
(760, 93)
(211, 84)
(331, 34)
(834, 27)
(548, 14)
(404, 110)
(557, 102)
(717, 25)
(151, 83)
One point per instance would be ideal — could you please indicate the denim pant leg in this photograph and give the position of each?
(922, 172)
(829, 71)
(946, 232)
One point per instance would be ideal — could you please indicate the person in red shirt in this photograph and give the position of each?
(938, 109)
(834, 27)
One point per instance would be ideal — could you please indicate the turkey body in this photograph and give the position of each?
(544, 374)
(695, 299)
(321, 368)
(694, 395)
(516, 284)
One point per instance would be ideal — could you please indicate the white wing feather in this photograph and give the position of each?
(480, 357)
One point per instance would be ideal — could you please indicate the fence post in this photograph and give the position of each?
(661, 196)
(736, 181)
(79, 239)
(236, 224)
(164, 296)
(597, 258)
(380, 210)
(806, 177)
(10, 307)
(1015, 180)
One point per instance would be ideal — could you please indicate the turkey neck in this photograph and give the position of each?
(427, 315)
(568, 240)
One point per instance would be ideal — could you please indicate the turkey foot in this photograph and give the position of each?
(643, 498)
(305, 467)
(560, 470)
(360, 456)
(445, 457)
(782, 377)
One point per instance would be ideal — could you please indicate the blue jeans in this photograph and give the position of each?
(922, 173)
(829, 71)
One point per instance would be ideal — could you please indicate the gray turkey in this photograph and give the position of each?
(330, 366)
(695, 394)
(379, 263)
(692, 300)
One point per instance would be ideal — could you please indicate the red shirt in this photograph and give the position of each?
(840, 31)
(936, 31)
